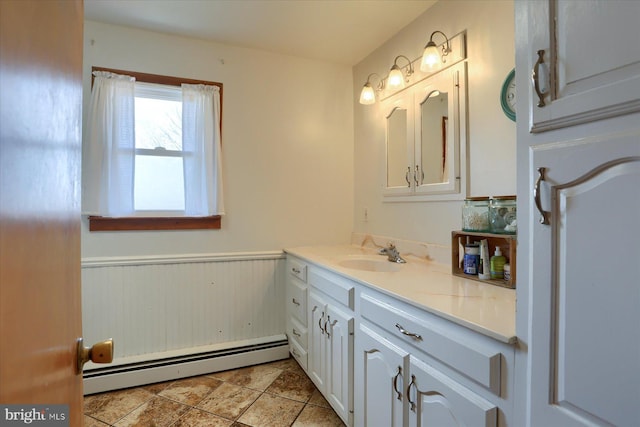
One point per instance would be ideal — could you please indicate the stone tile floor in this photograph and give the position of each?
(270, 395)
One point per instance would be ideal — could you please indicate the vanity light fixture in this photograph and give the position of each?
(432, 59)
(396, 79)
(368, 95)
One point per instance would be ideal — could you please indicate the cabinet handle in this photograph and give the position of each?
(412, 383)
(331, 325)
(325, 326)
(406, 176)
(395, 383)
(544, 215)
(295, 270)
(320, 323)
(296, 333)
(403, 331)
(418, 174)
(295, 353)
(293, 300)
(535, 76)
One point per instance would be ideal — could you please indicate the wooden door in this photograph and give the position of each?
(381, 380)
(40, 125)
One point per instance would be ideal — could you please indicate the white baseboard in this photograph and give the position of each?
(134, 375)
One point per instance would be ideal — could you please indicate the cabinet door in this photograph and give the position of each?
(440, 132)
(339, 381)
(437, 400)
(317, 340)
(399, 144)
(584, 345)
(382, 369)
(592, 56)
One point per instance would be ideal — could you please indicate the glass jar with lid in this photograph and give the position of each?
(475, 214)
(502, 215)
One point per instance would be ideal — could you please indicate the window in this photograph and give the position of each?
(147, 167)
(159, 173)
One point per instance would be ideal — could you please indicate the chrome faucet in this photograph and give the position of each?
(392, 254)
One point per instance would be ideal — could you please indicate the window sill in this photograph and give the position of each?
(102, 223)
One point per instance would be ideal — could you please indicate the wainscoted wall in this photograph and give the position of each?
(166, 306)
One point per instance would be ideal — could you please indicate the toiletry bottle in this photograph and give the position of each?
(471, 258)
(497, 264)
(483, 267)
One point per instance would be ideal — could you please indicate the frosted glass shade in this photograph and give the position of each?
(430, 58)
(367, 96)
(396, 78)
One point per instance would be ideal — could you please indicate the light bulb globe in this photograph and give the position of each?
(430, 58)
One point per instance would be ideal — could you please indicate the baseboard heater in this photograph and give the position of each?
(136, 374)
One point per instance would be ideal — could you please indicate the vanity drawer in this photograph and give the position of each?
(297, 332)
(337, 287)
(455, 346)
(297, 269)
(297, 301)
(298, 353)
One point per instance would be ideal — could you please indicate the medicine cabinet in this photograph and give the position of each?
(426, 139)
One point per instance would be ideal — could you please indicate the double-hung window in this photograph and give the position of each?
(159, 173)
(151, 155)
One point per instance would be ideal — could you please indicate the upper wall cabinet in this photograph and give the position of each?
(426, 139)
(581, 71)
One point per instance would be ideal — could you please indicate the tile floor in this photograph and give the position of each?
(270, 395)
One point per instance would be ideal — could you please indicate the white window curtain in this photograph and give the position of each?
(109, 149)
(202, 150)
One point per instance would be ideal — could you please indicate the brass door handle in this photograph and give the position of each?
(101, 352)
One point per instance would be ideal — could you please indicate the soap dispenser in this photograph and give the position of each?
(497, 264)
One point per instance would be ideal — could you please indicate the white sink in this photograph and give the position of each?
(369, 263)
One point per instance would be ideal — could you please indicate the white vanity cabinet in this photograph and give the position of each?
(425, 370)
(296, 295)
(382, 361)
(331, 323)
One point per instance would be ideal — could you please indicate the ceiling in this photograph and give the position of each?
(340, 31)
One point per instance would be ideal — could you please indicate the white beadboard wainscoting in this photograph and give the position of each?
(183, 315)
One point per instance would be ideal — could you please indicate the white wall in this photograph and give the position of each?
(491, 135)
(287, 143)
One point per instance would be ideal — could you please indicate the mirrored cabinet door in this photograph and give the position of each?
(431, 149)
(399, 144)
(437, 133)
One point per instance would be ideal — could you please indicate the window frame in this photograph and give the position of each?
(135, 223)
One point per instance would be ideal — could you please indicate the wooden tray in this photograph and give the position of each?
(507, 243)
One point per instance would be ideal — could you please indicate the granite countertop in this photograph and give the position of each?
(430, 286)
